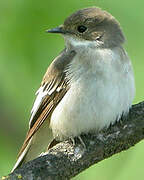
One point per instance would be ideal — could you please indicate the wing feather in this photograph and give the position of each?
(53, 88)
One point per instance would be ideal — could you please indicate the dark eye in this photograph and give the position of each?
(81, 29)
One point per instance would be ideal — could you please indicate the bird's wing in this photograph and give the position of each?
(53, 88)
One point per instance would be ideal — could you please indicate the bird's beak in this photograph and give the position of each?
(56, 30)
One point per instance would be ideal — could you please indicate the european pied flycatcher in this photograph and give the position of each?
(86, 88)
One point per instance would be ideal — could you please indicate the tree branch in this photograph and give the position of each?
(65, 160)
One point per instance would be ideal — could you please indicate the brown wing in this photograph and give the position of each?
(53, 88)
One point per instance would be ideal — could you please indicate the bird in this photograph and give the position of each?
(86, 88)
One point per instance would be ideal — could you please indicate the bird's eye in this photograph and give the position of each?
(81, 29)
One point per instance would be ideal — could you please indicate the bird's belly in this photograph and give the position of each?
(90, 106)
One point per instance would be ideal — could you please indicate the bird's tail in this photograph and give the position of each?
(36, 145)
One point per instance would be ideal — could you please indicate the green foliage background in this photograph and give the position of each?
(26, 51)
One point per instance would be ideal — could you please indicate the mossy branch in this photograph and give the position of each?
(65, 160)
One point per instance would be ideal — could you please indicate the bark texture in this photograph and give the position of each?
(65, 160)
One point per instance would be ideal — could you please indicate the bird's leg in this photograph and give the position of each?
(73, 141)
(82, 142)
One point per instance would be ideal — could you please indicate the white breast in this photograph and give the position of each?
(102, 89)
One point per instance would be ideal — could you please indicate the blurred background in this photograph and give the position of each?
(26, 51)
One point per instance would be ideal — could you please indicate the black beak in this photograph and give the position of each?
(56, 30)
